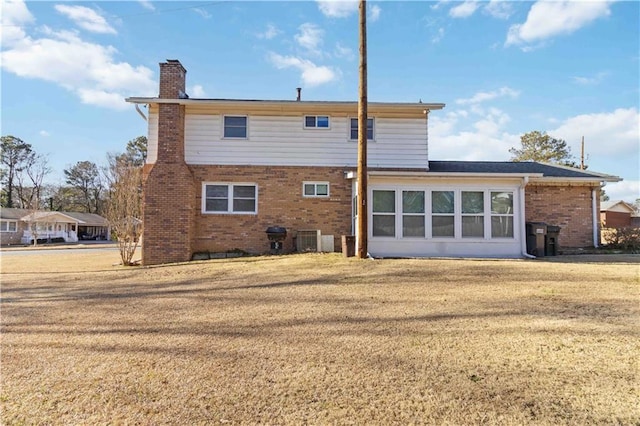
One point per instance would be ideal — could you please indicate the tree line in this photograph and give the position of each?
(86, 187)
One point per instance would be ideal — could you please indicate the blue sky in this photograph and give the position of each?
(503, 68)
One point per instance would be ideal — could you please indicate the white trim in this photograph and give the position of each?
(316, 127)
(315, 189)
(8, 222)
(373, 121)
(230, 186)
(246, 127)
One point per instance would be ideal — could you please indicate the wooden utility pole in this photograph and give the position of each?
(582, 155)
(361, 231)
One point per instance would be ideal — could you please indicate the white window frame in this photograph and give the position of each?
(246, 127)
(5, 225)
(230, 186)
(315, 189)
(373, 128)
(315, 126)
(457, 212)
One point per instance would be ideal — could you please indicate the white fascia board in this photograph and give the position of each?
(593, 180)
(453, 174)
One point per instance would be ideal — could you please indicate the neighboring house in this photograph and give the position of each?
(616, 214)
(22, 226)
(221, 171)
(11, 225)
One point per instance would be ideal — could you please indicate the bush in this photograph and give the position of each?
(624, 238)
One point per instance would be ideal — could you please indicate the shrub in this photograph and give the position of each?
(624, 238)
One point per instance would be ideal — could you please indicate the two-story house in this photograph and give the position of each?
(219, 172)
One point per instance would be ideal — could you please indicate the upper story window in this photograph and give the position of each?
(316, 122)
(8, 226)
(235, 126)
(230, 198)
(353, 131)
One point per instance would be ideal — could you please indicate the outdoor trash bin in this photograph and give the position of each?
(551, 243)
(536, 232)
(348, 245)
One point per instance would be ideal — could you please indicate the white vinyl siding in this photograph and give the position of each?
(152, 139)
(444, 217)
(281, 140)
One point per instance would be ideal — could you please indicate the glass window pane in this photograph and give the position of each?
(216, 205)
(384, 201)
(13, 226)
(413, 201)
(217, 191)
(442, 226)
(473, 226)
(384, 226)
(323, 121)
(235, 121)
(244, 191)
(322, 189)
(442, 202)
(3, 225)
(309, 189)
(413, 226)
(310, 121)
(502, 202)
(235, 132)
(244, 205)
(472, 202)
(502, 227)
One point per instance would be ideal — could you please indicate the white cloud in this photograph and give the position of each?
(344, 52)
(200, 11)
(312, 74)
(147, 4)
(607, 134)
(44, 133)
(438, 36)
(86, 18)
(374, 13)
(310, 37)
(501, 9)
(627, 190)
(586, 81)
(271, 32)
(487, 96)
(478, 135)
(14, 15)
(87, 69)
(547, 19)
(197, 91)
(464, 9)
(337, 8)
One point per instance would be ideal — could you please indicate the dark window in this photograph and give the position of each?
(235, 127)
(354, 129)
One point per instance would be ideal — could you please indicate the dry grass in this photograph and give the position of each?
(319, 339)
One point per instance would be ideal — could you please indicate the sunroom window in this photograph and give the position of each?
(384, 213)
(502, 215)
(413, 214)
(472, 214)
(442, 214)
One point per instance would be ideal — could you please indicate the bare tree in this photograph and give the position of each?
(29, 181)
(84, 177)
(123, 207)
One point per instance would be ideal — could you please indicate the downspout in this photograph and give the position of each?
(144, 117)
(594, 205)
(523, 228)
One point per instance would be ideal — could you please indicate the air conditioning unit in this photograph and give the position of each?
(309, 240)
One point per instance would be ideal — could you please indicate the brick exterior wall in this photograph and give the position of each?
(569, 207)
(169, 196)
(615, 219)
(280, 203)
(11, 238)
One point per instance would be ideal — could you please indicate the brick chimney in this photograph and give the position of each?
(172, 79)
(169, 188)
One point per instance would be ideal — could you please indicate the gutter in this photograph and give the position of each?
(523, 227)
(144, 117)
(351, 174)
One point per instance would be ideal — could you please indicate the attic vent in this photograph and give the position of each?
(309, 240)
